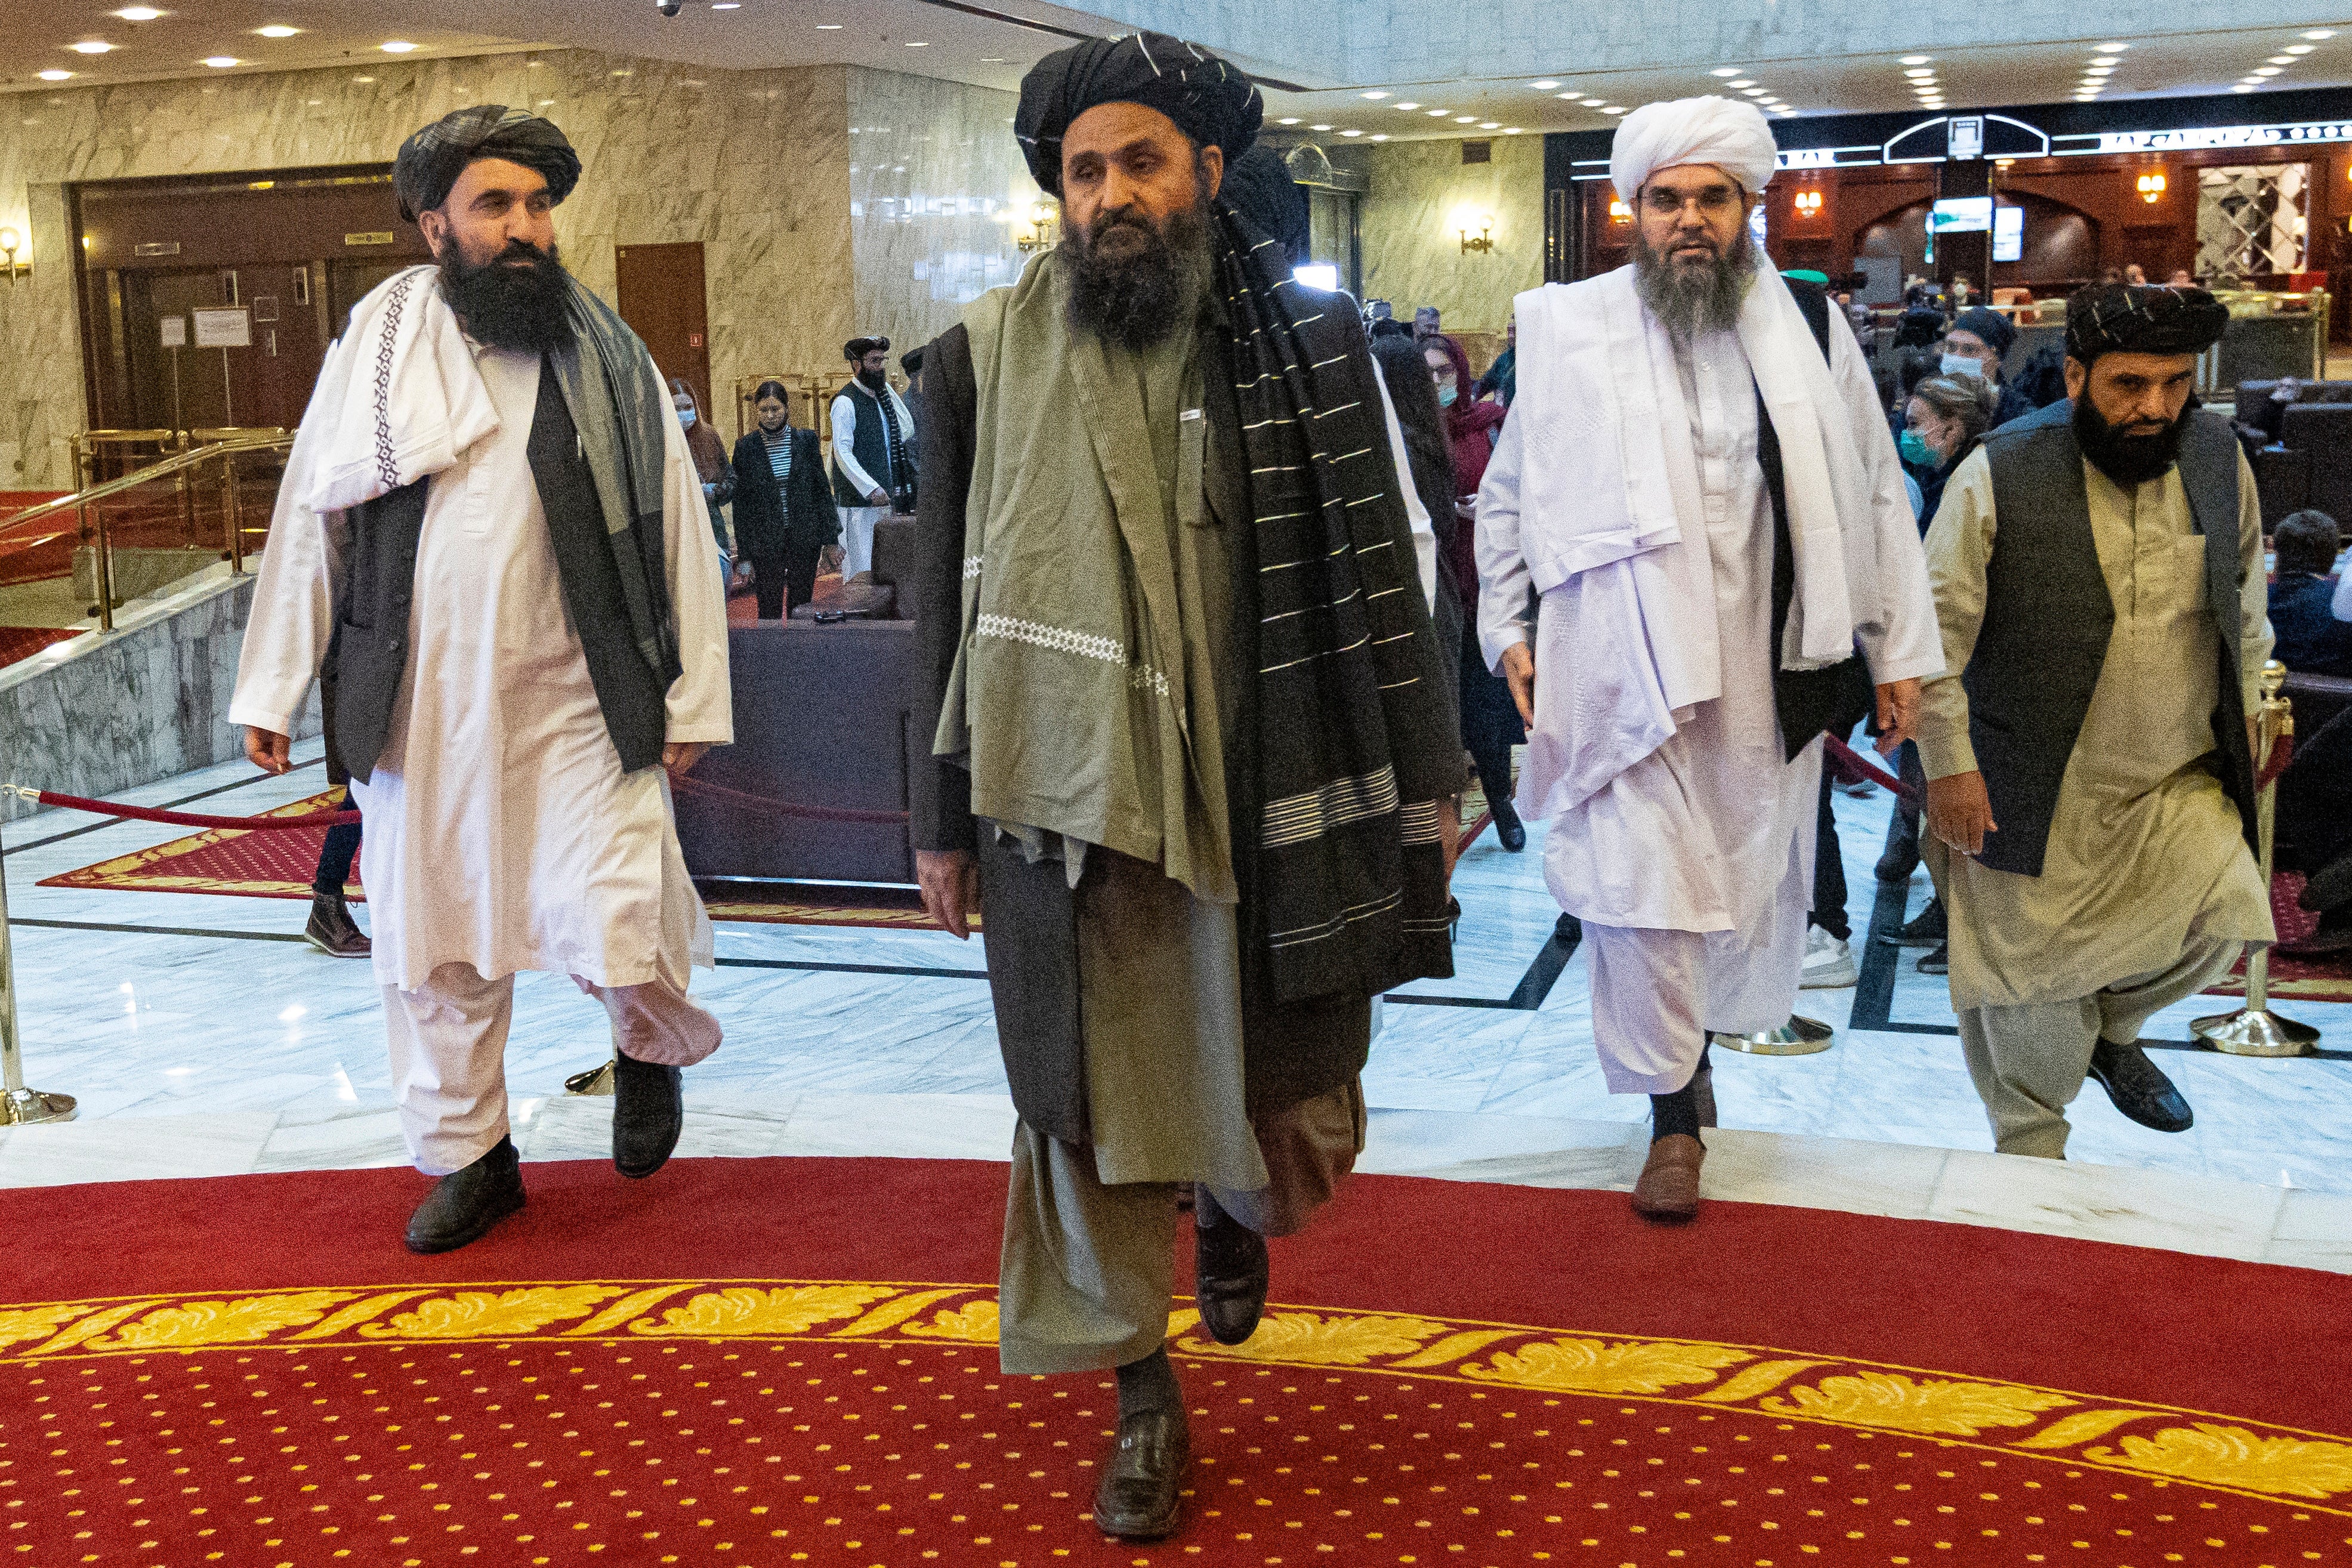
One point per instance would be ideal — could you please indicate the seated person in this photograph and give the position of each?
(2269, 417)
(1978, 339)
(2311, 640)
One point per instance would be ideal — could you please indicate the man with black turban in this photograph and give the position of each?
(1193, 746)
(874, 459)
(491, 537)
(2098, 576)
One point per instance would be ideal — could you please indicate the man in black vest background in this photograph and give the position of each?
(872, 452)
(2098, 574)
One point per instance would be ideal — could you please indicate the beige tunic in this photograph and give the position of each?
(2144, 846)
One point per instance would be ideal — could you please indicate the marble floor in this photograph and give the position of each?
(203, 1037)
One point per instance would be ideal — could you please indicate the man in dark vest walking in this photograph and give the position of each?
(872, 452)
(491, 537)
(2098, 576)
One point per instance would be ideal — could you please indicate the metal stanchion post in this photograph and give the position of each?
(2254, 1030)
(1800, 1037)
(19, 1104)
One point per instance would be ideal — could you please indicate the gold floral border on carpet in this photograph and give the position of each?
(2191, 1446)
(129, 873)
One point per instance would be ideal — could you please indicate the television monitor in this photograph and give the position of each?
(2009, 234)
(1961, 214)
(1316, 275)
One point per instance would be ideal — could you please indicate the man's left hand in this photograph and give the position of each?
(678, 757)
(1898, 714)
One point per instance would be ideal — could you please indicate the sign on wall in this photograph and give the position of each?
(222, 327)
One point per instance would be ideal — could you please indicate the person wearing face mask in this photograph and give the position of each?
(785, 518)
(1491, 725)
(1979, 341)
(872, 452)
(711, 462)
(2098, 576)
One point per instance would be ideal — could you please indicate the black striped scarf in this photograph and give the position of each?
(1353, 740)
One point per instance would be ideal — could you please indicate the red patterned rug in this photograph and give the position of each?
(795, 1364)
(23, 642)
(2313, 979)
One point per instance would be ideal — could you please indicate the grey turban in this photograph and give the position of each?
(2113, 318)
(430, 162)
(1210, 101)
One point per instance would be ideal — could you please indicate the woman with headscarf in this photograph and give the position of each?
(785, 516)
(1490, 720)
(711, 462)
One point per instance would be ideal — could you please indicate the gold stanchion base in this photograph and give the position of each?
(1800, 1037)
(597, 1080)
(2262, 1033)
(23, 1107)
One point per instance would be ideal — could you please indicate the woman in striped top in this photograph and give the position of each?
(785, 514)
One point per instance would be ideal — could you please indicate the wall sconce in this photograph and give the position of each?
(1485, 240)
(1619, 212)
(11, 242)
(2151, 187)
(1808, 204)
(1041, 228)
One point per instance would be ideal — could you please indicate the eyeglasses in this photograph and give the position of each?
(1713, 201)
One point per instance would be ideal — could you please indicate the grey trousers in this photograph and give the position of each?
(2028, 1061)
(1089, 1270)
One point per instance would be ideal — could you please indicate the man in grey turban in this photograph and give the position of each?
(1190, 728)
(2099, 571)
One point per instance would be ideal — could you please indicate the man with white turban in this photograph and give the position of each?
(1697, 481)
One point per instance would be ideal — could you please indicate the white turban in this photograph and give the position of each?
(1733, 136)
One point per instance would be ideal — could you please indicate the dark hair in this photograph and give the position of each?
(1914, 366)
(1389, 327)
(2306, 540)
(774, 389)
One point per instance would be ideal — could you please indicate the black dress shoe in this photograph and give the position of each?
(1567, 929)
(465, 1203)
(2139, 1087)
(649, 1113)
(1142, 1487)
(1507, 825)
(331, 930)
(1939, 961)
(1230, 1272)
(1927, 928)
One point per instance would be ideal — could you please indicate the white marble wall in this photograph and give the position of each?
(1421, 197)
(939, 196)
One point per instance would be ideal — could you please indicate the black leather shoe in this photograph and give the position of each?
(331, 930)
(649, 1113)
(1567, 929)
(1901, 855)
(2139, 1087)
(1507, 825)
(1939, 961)
(465, 1203)
(1230, 1272)
(1142, 1487)
(1927, 928)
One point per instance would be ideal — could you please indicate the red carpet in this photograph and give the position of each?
(2313, 979)
(767, 1362)
(23, 642)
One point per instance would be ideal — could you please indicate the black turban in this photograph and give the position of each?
(858, 348)
(2114, 318)
(430, 162)
(1994, 330)
(1210, 100)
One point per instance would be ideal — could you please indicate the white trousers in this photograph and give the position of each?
(857, 538)
(448, 1040)
(1656, 995)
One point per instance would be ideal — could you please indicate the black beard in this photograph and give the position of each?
(2129, 460)
(1692, 301)
(508, 306)
(874, 380)
(1137, 300)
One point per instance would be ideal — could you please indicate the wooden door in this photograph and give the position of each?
(349, 282)
(278, 370)
(662, 299)
(181, 388)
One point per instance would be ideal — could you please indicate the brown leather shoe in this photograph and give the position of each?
(1668, 1188)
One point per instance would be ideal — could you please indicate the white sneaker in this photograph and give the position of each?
(1829, 963)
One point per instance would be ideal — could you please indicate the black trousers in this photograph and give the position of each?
(335, 856)
(1828, 872)
(782, 583)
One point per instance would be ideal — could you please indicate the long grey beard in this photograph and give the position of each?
(1692, 301)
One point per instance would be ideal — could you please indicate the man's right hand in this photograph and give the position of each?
(269, 749)
(878, 496)
(951, 884)
(1959, 812)
(1519, 673)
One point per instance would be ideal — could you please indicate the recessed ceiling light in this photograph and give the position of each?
(1510, 130)
(919, 43)
(1751, 93)
(1744, 81)
(2109, 49)
(1916, 59)
(139, 13)
(1434, 113)
(1377, 93)
(276, 30)
(991, 60)
(2296, 49)
(397, 46)
(221, 62)
(1377, 136)
(1543, 86)
(625, 73)
(828, 26)
(2264, 70)
(2280, 60)
(1319, 128)
(364, 79)
(1490, 126)
(1288, 119)
(727, 4)
(2320, 32)
(1614, 108)
(1920, 73)
(1569, 97)
(1464, 118)
(2241, 87)
(54, 75)
(1408, 106)
(91, 46)
(1351, 133)
(1726, 70)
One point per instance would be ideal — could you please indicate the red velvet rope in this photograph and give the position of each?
(692, 785)
(2282, 751)
(190, 818)
(1868, 769)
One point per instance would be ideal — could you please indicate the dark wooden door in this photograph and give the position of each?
(663, 302)
(277, 371)
(349, 282)
(180, 388)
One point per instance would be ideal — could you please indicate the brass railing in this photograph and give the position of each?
(180, 467)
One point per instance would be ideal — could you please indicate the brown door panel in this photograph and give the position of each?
(662, 299)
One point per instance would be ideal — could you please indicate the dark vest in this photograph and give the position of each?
(2048, 617)
(368, 653)
(870, 445)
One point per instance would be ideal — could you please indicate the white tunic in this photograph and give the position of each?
(500, 831)
(1697, 836)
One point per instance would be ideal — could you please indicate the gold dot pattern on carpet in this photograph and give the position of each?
(892, 1450)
